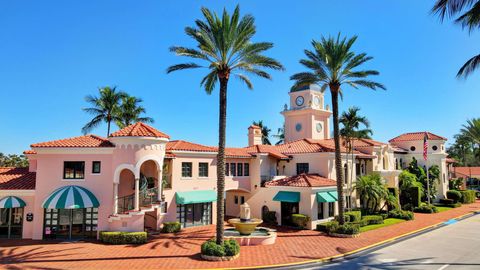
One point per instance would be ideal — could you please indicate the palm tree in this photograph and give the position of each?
(371, 190)
(332, 64)
(280, 135)
(129, 112)
(468, 12)
(103, 108)
(472, 131)
(265, 132)
(351, 122)
(224, 45)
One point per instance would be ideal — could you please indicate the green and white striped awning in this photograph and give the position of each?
(71, 197)
(11, 202)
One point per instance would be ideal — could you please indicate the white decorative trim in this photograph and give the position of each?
(158, 159)
(120, 168)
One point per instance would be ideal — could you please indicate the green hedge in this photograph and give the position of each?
(120, 238)
(346, 218)
(452, 205)
(171, 227)
(327, 227)
(426, 208)
(401, 214)
(300, 220)
(454, 195)
(270, 217)
(373, 219)
(229, 248)
(446, 201)
(468, 196)
(395, 192)
(361, 223)
(354, 215)
(347, 229)
(415, 196)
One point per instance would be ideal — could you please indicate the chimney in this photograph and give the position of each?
(254, 135)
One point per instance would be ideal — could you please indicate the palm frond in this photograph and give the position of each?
(244, 79)
(369, 84)
(471, 18)
(209, 81)
(470, 66)
(449, 8)
(182, 66)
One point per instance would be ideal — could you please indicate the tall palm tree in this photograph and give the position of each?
(129, 112)
(265, 132)
(332, 64)
(225, 47)
(468, 12)
(472, 131)
(280, 135)
(351, 122)
(103, 108)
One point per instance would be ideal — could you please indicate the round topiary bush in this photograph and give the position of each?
(454, 195)
(211, 251)
(171, 227)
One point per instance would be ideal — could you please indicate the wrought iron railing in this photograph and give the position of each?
(148, 196)
(126, 203)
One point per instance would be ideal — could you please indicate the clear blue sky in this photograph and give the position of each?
(53, 53)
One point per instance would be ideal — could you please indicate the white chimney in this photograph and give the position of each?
(254, 135)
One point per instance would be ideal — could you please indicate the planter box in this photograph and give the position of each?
(217, 259)
(344, 235)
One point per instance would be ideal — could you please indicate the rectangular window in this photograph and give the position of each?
(239, 169)
(186, 169)
(203, 169)
(348, 202)
(227, 169)
(320, 211)
(233, 169)
(302, 168)
(242, 199)
(331, 209)
(236, 199)
(96, 167)
(74, 170)
(246, 169)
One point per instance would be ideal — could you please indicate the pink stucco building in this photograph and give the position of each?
(139, 177)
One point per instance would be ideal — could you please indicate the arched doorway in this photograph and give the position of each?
(126, 191)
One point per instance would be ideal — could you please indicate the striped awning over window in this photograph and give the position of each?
(71, 197)
(11, 202)
(326, 196)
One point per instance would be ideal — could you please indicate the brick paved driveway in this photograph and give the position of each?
(182, 250)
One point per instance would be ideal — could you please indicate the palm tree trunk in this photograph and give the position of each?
(221, 158)
(338, 158)
(108, 126)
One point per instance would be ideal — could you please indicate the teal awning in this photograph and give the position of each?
(287, 196)
(197, 196)
(71, 197)
(334, 194)
(323, 197)
(12, 202)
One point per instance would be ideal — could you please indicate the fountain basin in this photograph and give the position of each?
(260, 236)
(245, 227)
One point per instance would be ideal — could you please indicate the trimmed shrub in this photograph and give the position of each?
(373, 219)
(171, 227)
(229, 248)
(426, 208)
(121, 238)
(300, 220)
(401, 214)
(383, 215)
(468, 196)
(346, 218)
(407, 207)
(454, 195)
(415, 195)
(347, 229)
(353, 216)
(360, 223)
(327, 227)
(270, 217)
(446, 201)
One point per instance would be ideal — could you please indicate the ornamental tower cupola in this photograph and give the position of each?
(307, 117)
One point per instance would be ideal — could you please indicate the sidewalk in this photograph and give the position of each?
(182, 250)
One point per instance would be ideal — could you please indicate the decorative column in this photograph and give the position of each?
(137, 194)
(115, 198)
(160, 185)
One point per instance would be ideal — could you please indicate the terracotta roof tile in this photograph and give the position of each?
(303, 180)
(466, 171)
(417, 136)
(29, 152)
(180, 145)
(81, 141)
(16, 178)
(139, 129)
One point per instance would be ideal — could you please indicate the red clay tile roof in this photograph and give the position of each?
(169, 155)
(232, 152)
(303, 180)
(179, 145)
(417, 136)
(466, 171)
(271, 150)
(16, 178)
(254, 126)
(450, 160)
(29, 152)
(139, 129)
(81, 141)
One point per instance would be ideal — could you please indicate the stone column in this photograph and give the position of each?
(137, 194)
(115, 198)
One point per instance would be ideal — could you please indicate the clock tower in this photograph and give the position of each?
(307, 117)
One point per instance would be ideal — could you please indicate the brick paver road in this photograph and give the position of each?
(181, 251)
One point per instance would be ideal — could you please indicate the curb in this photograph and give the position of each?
(357, 252)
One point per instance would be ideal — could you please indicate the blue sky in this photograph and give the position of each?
(54, 53)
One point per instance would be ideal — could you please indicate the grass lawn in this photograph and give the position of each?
(386, 222)
(443, 208)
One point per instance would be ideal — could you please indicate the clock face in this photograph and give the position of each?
(316, 101)
(298, 127)
(299, 101)
(319, 127)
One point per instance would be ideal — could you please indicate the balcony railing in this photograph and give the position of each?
(126, 203)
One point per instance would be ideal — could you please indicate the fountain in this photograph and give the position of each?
(246, 231)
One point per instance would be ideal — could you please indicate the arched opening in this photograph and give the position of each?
(149, 192)
(126, 191)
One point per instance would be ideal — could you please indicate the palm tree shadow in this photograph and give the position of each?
(9, 258)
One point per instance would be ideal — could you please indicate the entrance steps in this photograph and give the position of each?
(131, 213)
